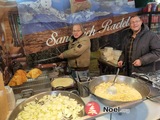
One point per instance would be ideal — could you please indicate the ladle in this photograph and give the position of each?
(112, 89)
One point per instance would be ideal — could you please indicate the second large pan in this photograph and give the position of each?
(143, 89)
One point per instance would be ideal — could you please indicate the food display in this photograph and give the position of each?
(51, 107)
(63, 82)
(124, 92)
(22, 76)
(18, 78)
(34, 73)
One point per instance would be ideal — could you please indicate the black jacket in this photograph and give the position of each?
(146, 47)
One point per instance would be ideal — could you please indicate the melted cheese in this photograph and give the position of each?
(64, 82)
(124, 92)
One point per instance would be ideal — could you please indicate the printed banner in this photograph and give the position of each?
(47, 23)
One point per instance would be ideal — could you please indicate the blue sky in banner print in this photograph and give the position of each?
(41, 15)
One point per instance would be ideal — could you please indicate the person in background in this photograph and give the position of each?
(78, 54)
(141, 48)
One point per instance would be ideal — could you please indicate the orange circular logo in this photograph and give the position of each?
(92, 108)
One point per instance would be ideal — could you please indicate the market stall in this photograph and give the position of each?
(34, 33)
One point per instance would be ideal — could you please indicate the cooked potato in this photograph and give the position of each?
(124, 92)
(51, 107)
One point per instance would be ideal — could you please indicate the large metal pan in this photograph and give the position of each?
(142, 88)
(20, 107)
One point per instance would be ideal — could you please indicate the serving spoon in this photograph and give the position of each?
(112, 89)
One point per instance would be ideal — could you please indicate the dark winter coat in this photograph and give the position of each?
(146, 47)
